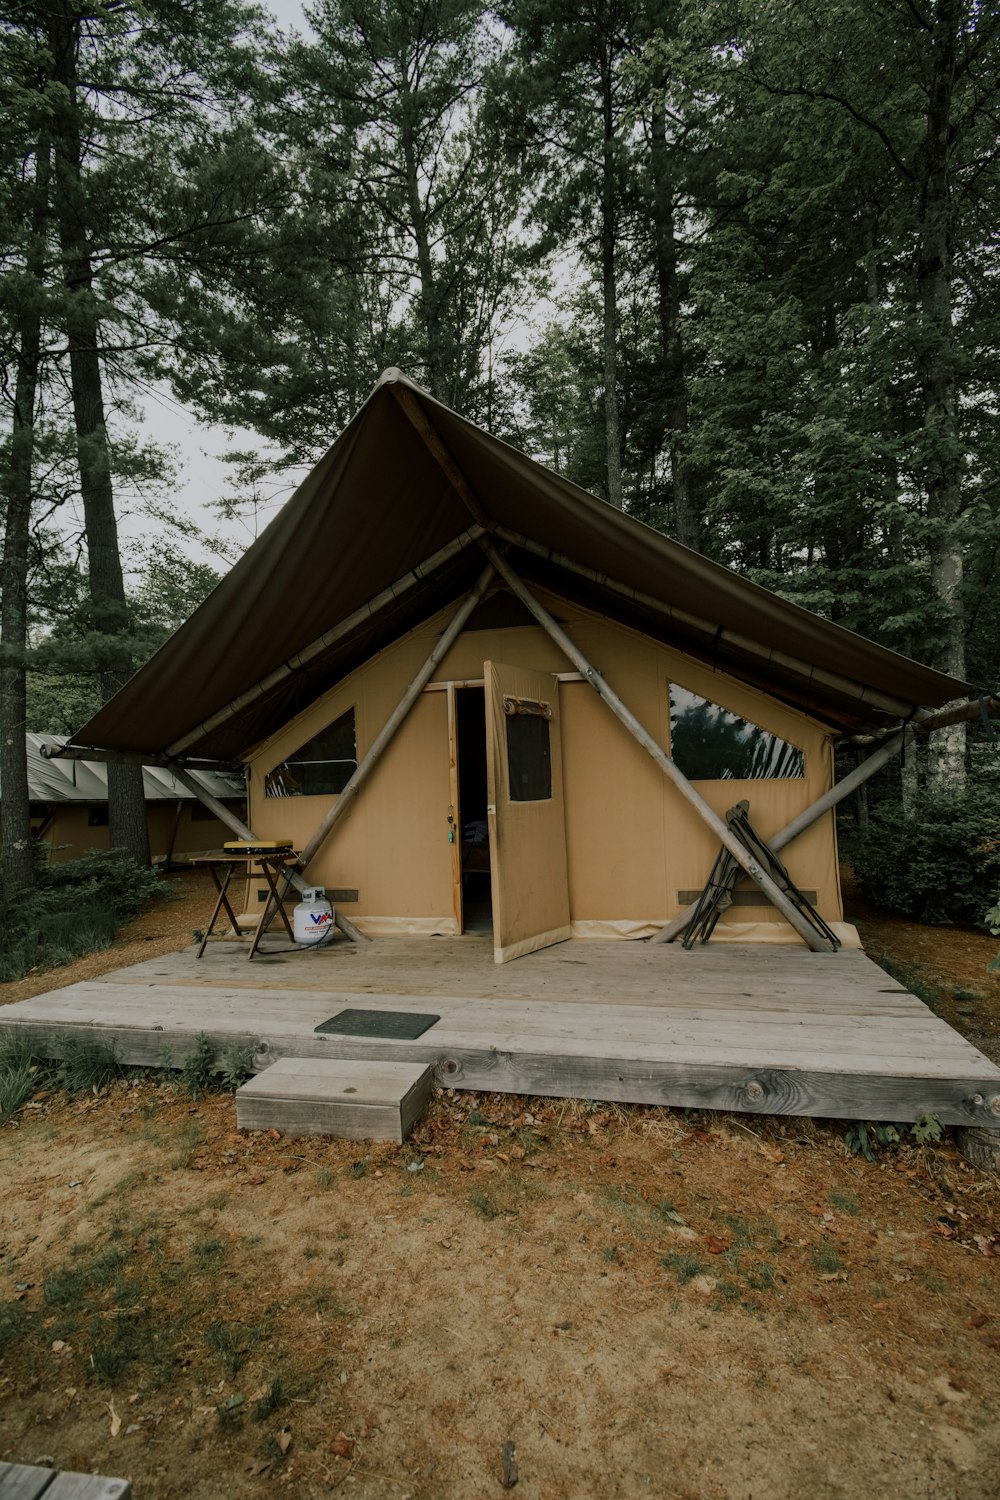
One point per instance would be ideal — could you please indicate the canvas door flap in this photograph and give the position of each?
(527, 819)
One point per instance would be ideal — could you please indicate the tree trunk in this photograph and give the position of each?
(946, 759)
(609, 290)
(429, 309)
(687, 517)
(126, 802)
(909, 776)
(18, 853)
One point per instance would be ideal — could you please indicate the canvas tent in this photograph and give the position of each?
(362, 634)
(69, 805)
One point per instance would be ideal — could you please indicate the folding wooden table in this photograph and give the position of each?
(270, 866)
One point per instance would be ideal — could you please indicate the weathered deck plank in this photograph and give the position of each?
(773, 1030)
(893, 1042)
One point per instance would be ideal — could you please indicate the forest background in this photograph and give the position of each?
(731, 264)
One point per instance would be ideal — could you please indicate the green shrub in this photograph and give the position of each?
(199, 1069)
(77, 908)
(19, 1076)
(939, 864)
(108, 879)
(88, 1062)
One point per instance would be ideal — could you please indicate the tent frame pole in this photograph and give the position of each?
(803, 820)
(899, 739)
(684, 619)
(658, 754)
(361, 617)
(225, 815)
(387, 733)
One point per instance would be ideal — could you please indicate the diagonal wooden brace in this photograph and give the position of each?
(639, 733)
(804, 820)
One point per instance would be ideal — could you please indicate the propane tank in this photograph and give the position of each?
(312, 919)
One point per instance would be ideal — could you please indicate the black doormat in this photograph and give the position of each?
(394, 1025)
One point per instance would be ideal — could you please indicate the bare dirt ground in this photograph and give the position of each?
(644, 1302)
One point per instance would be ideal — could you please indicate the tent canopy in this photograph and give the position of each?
(379, 505)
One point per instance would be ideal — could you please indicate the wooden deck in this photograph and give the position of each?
(760, 1029)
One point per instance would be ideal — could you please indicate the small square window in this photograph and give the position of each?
(529, 757)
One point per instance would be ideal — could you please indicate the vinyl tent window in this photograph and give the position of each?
(708, 743)
(529, 752)
(322, 766)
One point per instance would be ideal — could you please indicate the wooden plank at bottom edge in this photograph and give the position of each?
(958, 1100)
(24, 1481)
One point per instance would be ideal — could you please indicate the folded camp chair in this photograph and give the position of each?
(718, 892)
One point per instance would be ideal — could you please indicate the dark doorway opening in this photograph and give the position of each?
(470, 737)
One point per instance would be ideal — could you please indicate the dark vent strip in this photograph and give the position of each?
(393, 1025)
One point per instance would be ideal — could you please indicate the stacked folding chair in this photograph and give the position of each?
(718, 892)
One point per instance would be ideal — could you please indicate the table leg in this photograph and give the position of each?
(222, 887)
(274, 899)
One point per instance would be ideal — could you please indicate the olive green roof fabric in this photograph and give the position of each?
(379, 504)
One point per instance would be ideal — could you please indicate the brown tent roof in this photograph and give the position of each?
(378, 506)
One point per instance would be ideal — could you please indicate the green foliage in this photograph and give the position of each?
(77, 908)
(20, 1072)
(927, 1129)
(87, 1062)
(863, 1139)
(199, 1069)
(237, 1065)
(685, 1267)
(934, 865)
(992, 920)
(274, 1397)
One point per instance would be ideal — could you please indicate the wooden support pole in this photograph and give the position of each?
(639, 733)
(387, 733)
(135, 758)
(225, 815)
(926, 723)
(425, 427)
(359, 618)
(682, 621)
(804, 820)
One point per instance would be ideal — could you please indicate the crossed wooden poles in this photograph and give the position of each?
(482, 533)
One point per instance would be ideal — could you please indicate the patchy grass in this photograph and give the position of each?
(245, 1321)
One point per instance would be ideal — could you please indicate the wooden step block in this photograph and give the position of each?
(360, 1101)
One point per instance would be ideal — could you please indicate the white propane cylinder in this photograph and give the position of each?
(312, 919)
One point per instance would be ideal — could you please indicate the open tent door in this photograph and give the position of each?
(526, 815)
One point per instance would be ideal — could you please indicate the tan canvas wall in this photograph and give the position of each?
(70, 835)
(632, 842)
